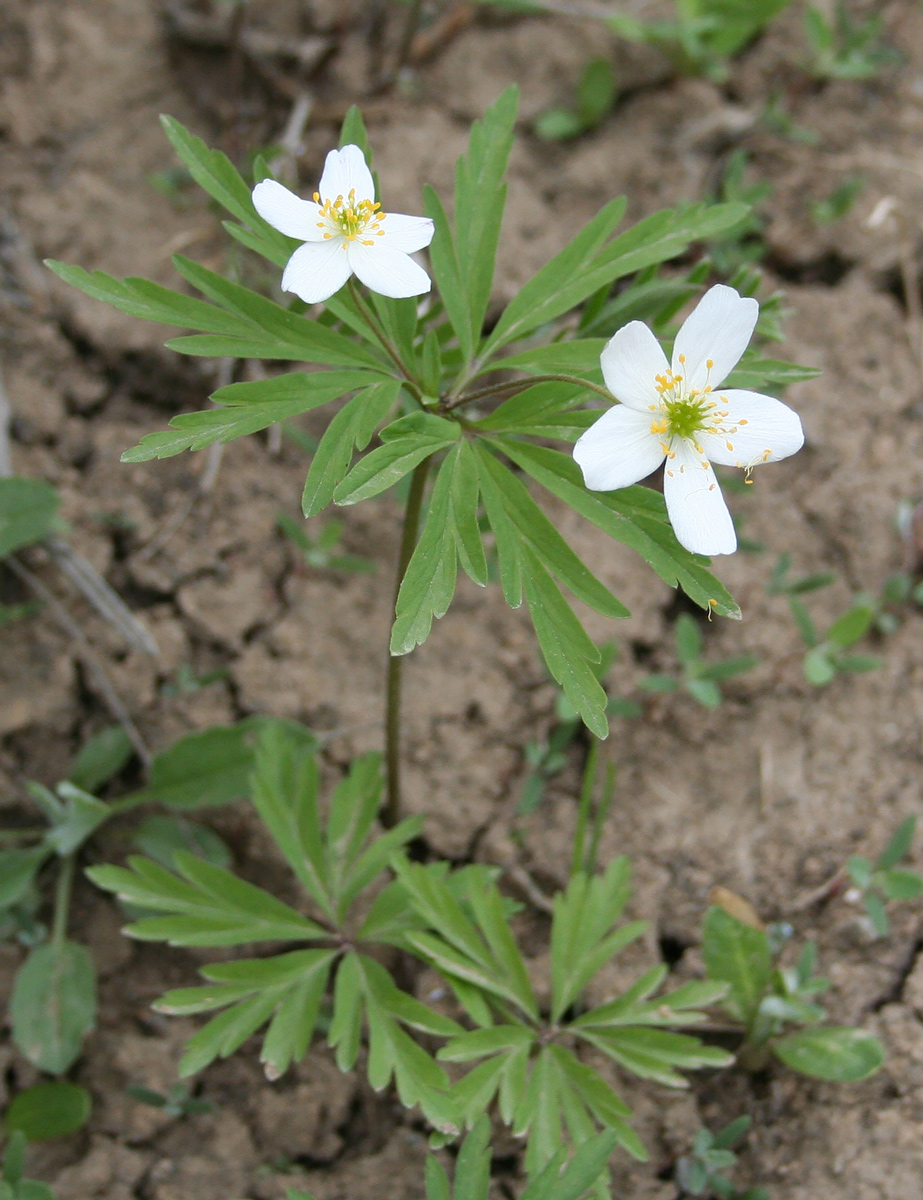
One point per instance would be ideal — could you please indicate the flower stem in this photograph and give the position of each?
(376, 327)
(392, 810)
(62, 901)
(495, 388)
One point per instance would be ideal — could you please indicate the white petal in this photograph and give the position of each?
(718, 329)
(386, 271)
(618, 450)
(631, 362)
(696, 508)
(344, 171)
(406, 233)
(286, 212)
(316, 270)
(770, 430)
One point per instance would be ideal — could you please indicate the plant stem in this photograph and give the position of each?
(375, 325)
(62, 901)
(586, 799)
(496, 388)
(600, 812)
(392, 810)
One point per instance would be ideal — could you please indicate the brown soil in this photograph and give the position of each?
(766, 796)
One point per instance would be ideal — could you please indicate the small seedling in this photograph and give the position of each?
(844, 48)
(186, 682)
(704, 1171)
(744, 245)
(12, 1184)
(321, 552)
(177, 1102)
(781, 584)
(700, 679)
(769, 1000)
(705, 33)
(829, 656)
(596, 94)
(876, 883)
(839, 203)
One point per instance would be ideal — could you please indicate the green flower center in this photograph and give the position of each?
(686, 417)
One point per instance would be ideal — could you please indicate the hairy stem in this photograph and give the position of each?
(496, 388)
(392, 810)
(62, 901)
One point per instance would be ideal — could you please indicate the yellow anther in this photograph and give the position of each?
(682, 358)
(709, 363)
(729, 445)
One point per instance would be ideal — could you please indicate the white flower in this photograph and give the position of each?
(681, 414)
(344, 233)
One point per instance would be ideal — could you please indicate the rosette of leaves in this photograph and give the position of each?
(529, 1059)
(777, 1006)
(415, 387)
(338, 860)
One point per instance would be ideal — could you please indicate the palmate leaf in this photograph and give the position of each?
(250, 407)
(463, 265)
(240, 324)
(334, 860)
(286, 990)
(215, 173)
(366, 992)
(591, 262)
(205, 905)
(635, 516)
(451, 535)
(405, 443)
(582, 934)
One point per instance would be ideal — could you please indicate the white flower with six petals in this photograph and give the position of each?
(345, 233)
(679, 413)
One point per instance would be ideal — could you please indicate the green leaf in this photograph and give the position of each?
(28, 512)
(852, 626)
(53, 1006)
(48, 1110)
(428, 585)
(17, 870)
(897, 848)
(354, 133)
(214, 172)
(206, 905)
(160, 837)
(877, 913)
(571, 1182)
(635, 516)
(101, 757)
(352, 427)
(82, 814)
(756, 374)
(705, 691)
(561, 284)
(740, 956)
(901, 885)
(839, 1055)
(480, 196)
(817, 667)
(208, 768)
(249, 407)
(541, 536)
(657, 1054)
(565, 646)
(509, 555)
(405, 443)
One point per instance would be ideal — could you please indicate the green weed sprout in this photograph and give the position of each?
(178, 1101)
(768, 1000)
(321, 552)
(879, 882)
(844, 48)
(704, 1171)
(829, 655)
(12, 1184)
(701, 680)
(705, 33)
(597, 91)
(839, 203)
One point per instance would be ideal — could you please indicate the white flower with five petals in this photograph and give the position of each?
(679, 413)
(345, 233)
